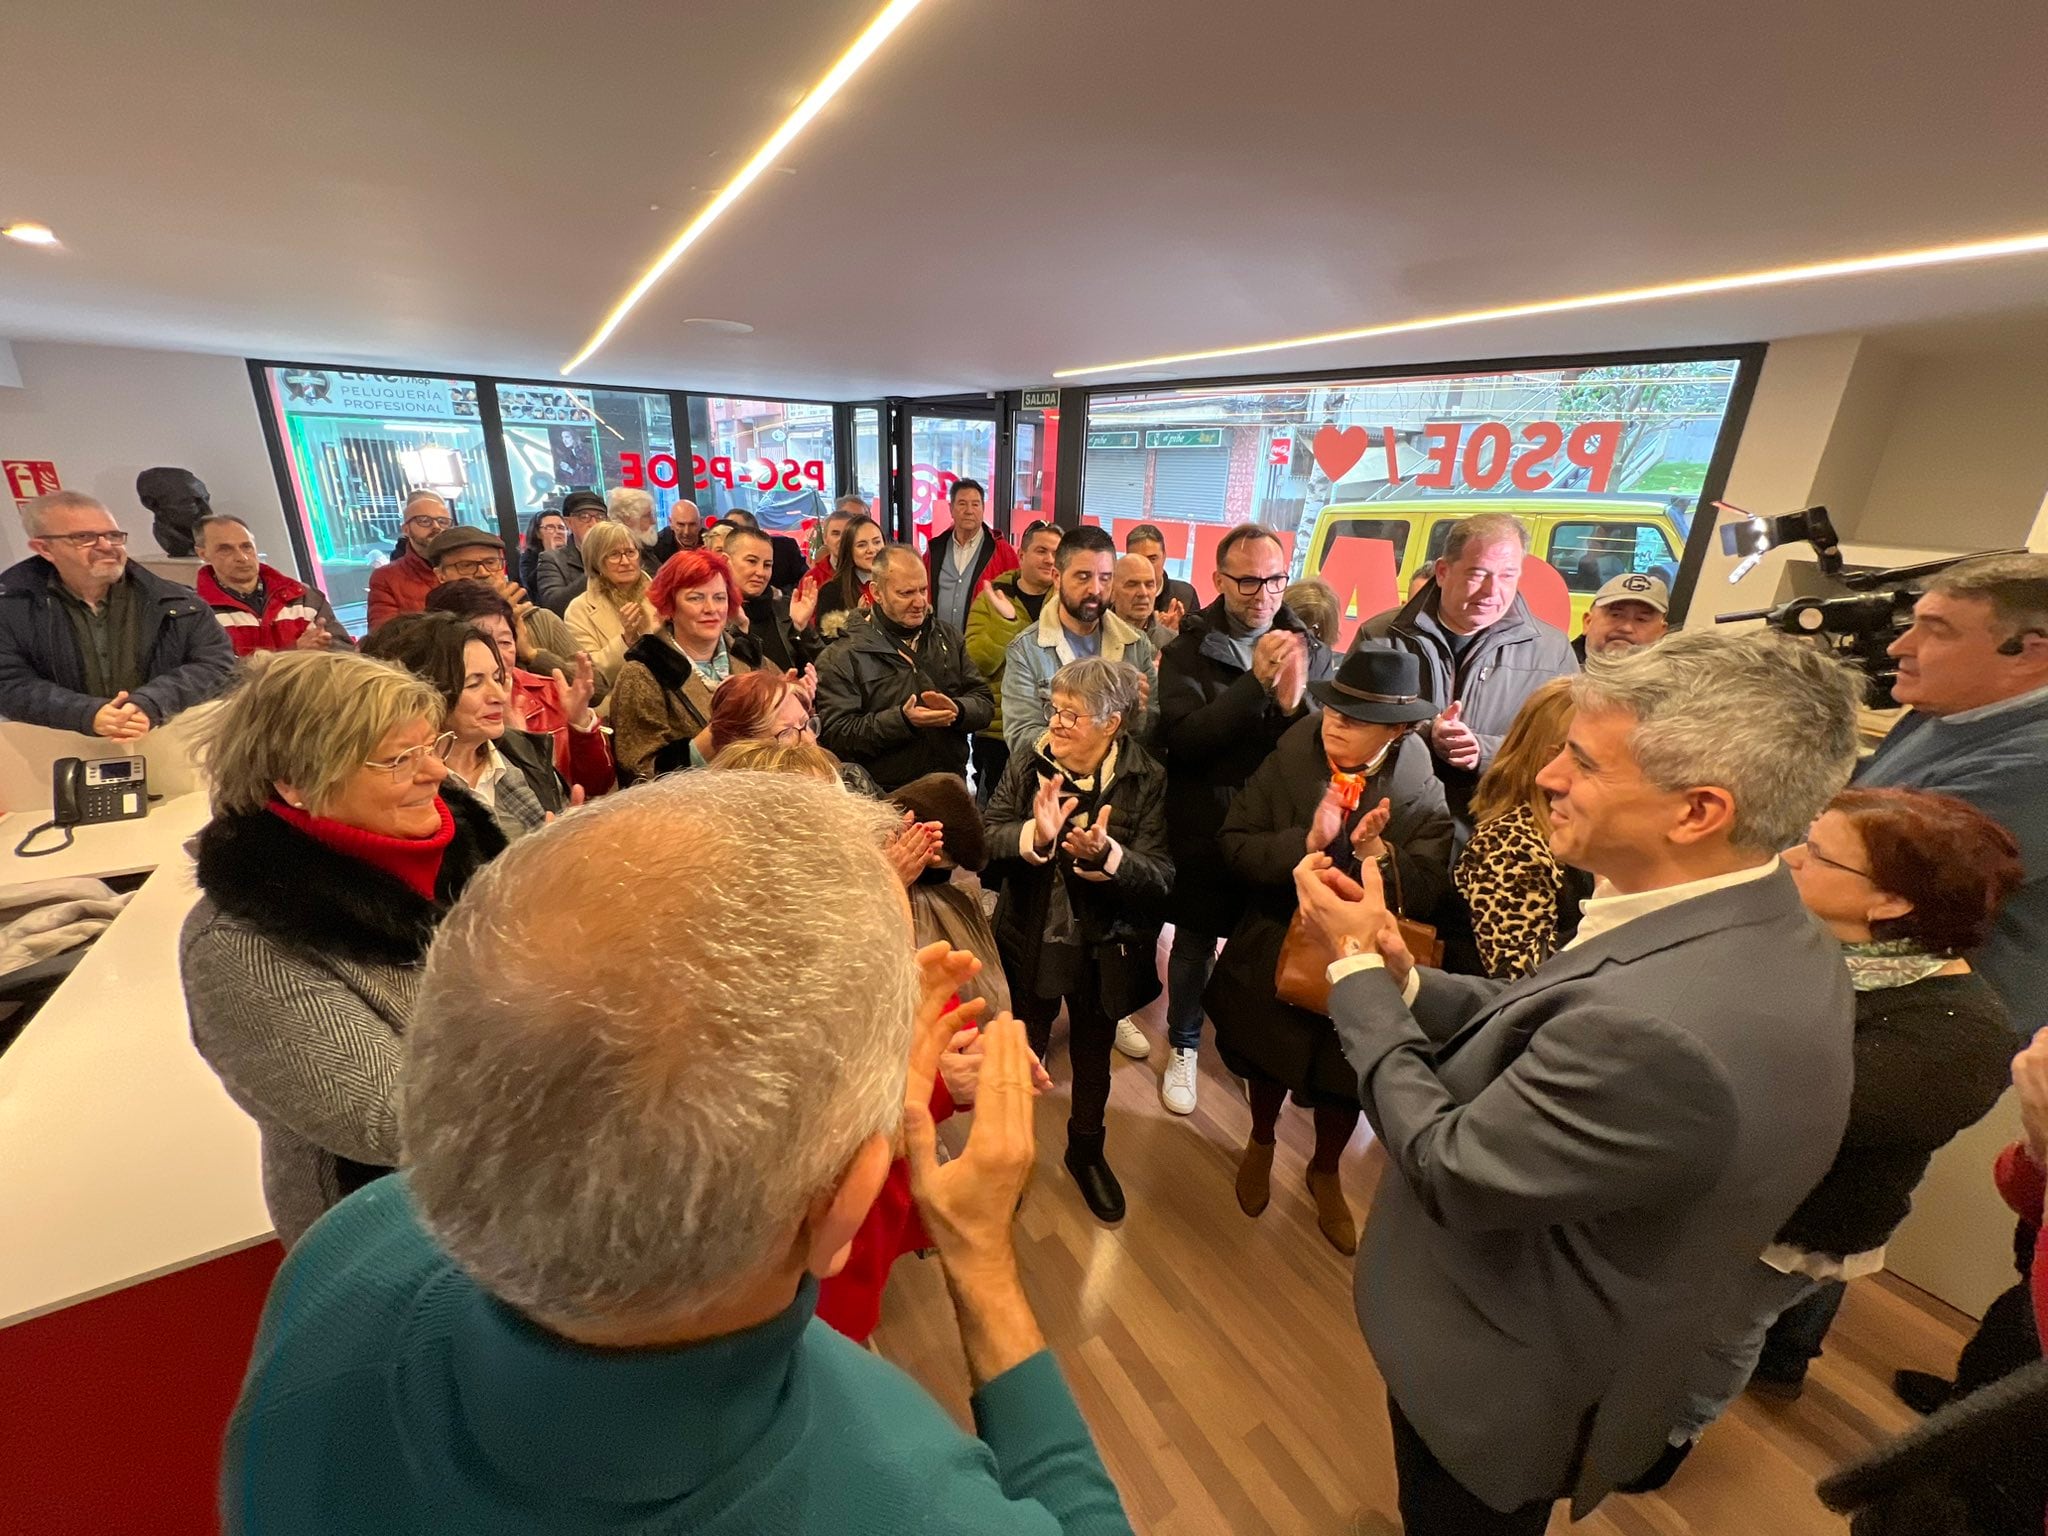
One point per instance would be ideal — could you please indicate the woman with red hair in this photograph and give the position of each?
(661, 704)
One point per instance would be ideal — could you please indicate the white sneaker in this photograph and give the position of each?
(1177, 1088)
(1130, 1039)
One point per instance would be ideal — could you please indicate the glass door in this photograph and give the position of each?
(948, 442)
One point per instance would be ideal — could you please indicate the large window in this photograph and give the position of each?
(1364, 478)
(867, 454)
(559, 440)
(773, 458)
(356, 444)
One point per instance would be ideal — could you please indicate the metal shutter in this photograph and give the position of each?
(1113, 485)
(1188, 484)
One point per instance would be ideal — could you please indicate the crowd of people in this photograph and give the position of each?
(1659, 1016)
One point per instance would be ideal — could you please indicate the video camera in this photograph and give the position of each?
(1859, 626)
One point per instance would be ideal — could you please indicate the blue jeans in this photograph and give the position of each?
(1724, 1366)
(1188, 965)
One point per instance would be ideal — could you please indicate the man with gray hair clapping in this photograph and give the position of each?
(588, 1304)
(1584, 1164)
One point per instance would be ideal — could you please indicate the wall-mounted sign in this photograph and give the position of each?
(29, 478)
(1112, 440)
(1185, 437)
(1041, 399)
(394, 395)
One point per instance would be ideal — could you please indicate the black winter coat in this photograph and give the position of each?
(1263, 838)
(770, 639)
(1118, 919)
(186, 658)
(1216, 725)
(865, 678)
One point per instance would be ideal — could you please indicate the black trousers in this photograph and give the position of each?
(1090, 1034)
(991, 757)
(1434, 1503)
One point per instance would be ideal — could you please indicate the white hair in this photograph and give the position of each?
(35, 515)
(622, 503)
(1104, 687)
(1770, 719)
(620, 1092)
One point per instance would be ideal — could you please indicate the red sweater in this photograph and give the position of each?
(851, 1301)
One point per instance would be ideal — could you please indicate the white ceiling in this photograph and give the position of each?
(1010, 187)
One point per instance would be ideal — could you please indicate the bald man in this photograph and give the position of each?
(1134, 595)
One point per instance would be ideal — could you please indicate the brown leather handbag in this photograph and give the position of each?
(1302, 975)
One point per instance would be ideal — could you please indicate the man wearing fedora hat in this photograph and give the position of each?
(1352, 781)
(1628, 613)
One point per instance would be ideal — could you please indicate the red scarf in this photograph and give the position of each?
(414, 860)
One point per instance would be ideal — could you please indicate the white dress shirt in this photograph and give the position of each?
(1604, 911)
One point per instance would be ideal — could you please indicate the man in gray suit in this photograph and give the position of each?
(1585, 1162)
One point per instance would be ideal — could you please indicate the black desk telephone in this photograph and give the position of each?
(84, 791)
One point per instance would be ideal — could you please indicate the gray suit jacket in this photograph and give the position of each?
(1585, 1163)
(560, 574)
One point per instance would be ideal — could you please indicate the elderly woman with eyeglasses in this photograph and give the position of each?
(336, 847)
(1077, 829)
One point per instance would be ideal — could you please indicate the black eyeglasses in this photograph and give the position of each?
(1252, 586)
(1818, 857)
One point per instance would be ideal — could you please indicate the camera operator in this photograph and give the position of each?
(1973, 671)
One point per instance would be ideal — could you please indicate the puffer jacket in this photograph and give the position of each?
(866, 677)
(290, 608)
(989, 635)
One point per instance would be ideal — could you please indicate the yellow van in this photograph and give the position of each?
(1588, 539)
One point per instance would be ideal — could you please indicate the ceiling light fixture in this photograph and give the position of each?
(893, 15)
(30, 234)
(1854, 266)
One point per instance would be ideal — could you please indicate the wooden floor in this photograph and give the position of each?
(1218, 1360)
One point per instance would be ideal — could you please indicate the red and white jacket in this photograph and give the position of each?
(290, 609)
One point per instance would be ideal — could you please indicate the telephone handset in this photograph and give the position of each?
(85, 791)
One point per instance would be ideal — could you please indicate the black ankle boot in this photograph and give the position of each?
(1099, 1187)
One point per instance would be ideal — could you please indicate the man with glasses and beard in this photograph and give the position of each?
(92, 644)
(402, 583)
(1079, 624)
(1229, 688)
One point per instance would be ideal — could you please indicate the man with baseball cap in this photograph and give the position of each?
(1628, 613)
(561, 570)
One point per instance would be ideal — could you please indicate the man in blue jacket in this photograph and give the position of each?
(92, 644)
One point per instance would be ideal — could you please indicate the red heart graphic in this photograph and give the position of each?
(1338, 451)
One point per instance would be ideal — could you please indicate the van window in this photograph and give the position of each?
(1588, 555)
(1394, 530)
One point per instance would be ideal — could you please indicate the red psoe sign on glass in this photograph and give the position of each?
(664, 471)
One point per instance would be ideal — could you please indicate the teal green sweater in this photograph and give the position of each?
(389, 1394)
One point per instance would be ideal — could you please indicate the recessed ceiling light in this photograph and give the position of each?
(30, 234)
(722, 327)
(892, 16)
(1854, 266)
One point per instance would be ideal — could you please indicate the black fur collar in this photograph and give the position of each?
(261, 869)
